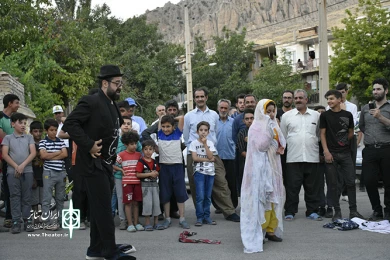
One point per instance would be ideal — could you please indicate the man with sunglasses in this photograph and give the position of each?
(94, 126)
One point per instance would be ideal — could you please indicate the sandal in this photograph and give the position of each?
(159, 227)
(314, 216)
(148, 228)
(289, 217)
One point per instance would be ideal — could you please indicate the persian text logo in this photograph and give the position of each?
(71, 218)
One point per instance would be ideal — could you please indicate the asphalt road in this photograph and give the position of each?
(303, 239)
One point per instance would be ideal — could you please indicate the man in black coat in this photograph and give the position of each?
(94, 126)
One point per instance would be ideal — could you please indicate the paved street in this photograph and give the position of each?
(303, 239)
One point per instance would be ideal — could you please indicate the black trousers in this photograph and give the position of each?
(321, 173)
(283, 159)
(79, 195)
(376, 161)
(299, 174)
(342, 169)
(99, 188)
(6, 192)
(342, 186)
(231, 180)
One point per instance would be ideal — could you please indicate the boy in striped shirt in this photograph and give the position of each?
(53, 151)
(131, 185)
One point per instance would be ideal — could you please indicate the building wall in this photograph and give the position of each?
(11, 85)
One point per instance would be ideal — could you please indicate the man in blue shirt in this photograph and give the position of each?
(221, 192)
(127, 108)
(226, 147)
(238, 124)
(240, 105)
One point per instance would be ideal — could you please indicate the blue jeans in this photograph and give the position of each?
(204, 187)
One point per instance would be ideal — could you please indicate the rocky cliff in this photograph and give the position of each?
(261, 18)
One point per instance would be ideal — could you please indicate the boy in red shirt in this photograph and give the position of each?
(147, 170)
(132, 193)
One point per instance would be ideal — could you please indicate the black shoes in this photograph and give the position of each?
(329, 212)
(322, 211)
(273, 238)
(355, 214)
(387, 216)
(375, 216)
(337, 215)
(233, 217)
(16, 228)
(218, 211)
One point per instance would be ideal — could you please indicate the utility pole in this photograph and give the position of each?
(323, 57)
(187, 35)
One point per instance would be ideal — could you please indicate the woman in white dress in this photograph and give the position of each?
(262, 191)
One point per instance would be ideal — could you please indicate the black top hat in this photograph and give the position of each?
(109, 71)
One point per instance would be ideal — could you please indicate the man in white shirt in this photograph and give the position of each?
(300, 127)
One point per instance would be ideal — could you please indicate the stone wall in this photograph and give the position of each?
(10, 85)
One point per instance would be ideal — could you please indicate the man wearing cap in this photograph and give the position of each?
(94, 126)
(130, 109)
(59, 117)
(125, 110)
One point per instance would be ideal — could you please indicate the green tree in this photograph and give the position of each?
(362, 48)
(148, 65)
(229, 76)
(59, 66)
(19, 23)
(272, 79)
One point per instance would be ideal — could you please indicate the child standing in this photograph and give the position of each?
(242, 142)
(117, 194)
(147, 170)
(36, 130)
(131, 185)
(53, 150)
(18, 151)
(337, 130)
(172, 170)
(202, 153)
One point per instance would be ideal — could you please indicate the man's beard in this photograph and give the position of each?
(113, 95)
(288, 104)
(379, 98)
(223, 114)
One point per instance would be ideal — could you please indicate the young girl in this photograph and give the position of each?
(262, 192)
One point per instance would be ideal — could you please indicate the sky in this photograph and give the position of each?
(128, 8)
